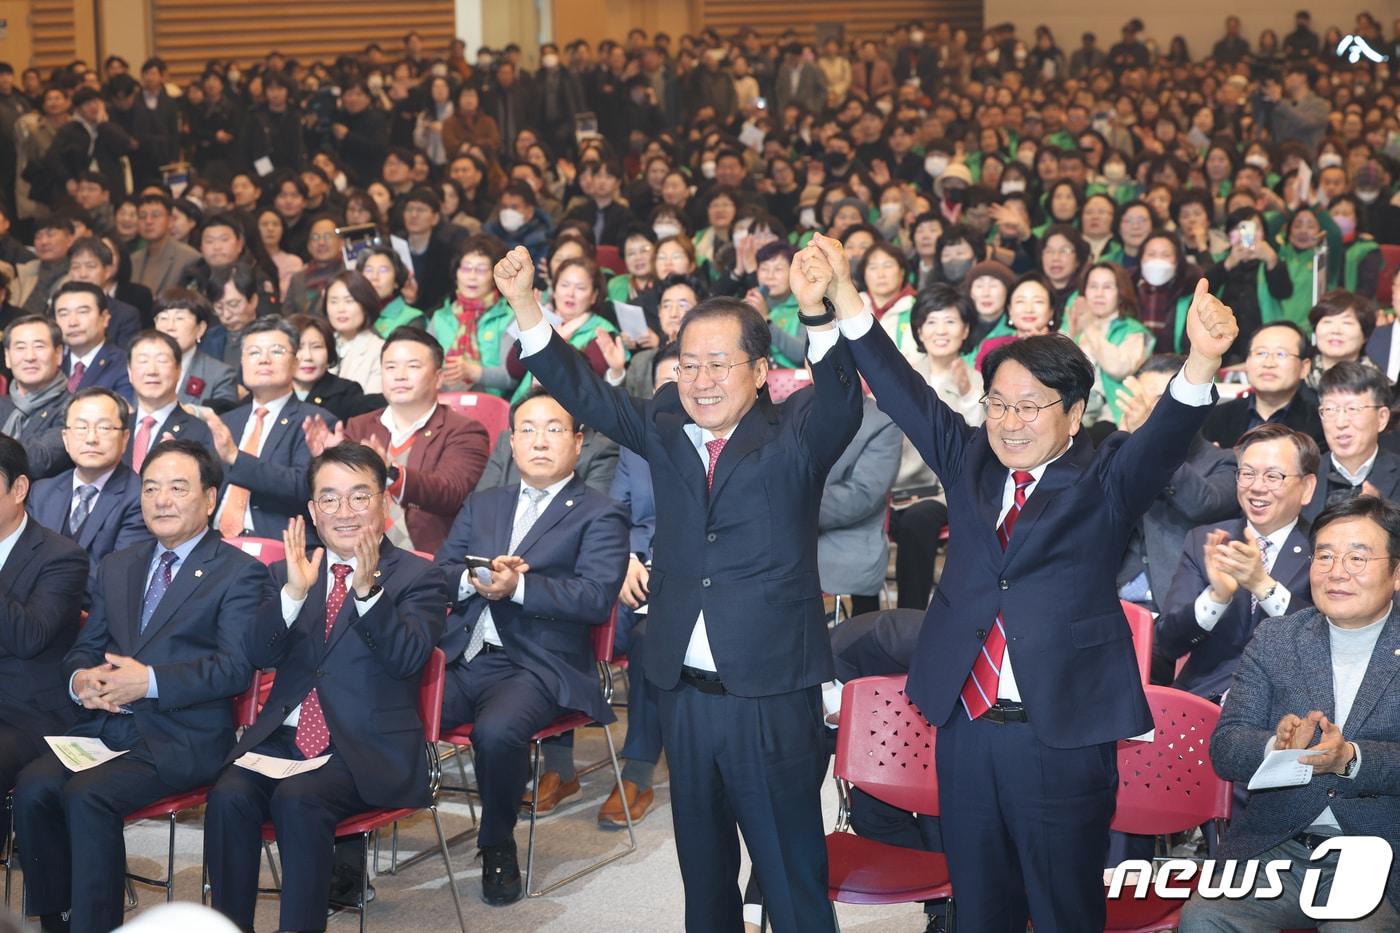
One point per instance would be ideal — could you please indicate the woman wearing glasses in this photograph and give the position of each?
(577, 293)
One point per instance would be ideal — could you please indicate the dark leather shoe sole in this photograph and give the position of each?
(499, 895)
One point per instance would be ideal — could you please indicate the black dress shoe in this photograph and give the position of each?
(54, 923)
(500, 874)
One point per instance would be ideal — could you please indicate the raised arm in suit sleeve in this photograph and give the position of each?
(28, 627)
(585, 394)
(587, 595)
(281, 487)
(938, 433)
(402, 632)
(864, 490)
(1204, 495)
(1145, 462)
(226, 671)
(833, 418)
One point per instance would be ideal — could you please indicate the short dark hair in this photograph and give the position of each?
(80, 288)
(1165, 363)
(1308, 455)
(151, 335)
(1303, 342)
(279, 325)
(671, 351)
(754, 338)
(1339, 301)
(183, 299)
(123, 406)
(940, 296)
(352, 456)
(410, 334)
(1054, 359)
(1378, 510)
(164, 200)
(539, 392)
(14, 461)
(1356, 378)
(211, 474)
(93, 246)
(423, 195)
(55, 334)
(304, 322)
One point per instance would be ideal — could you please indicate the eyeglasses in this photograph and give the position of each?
(553, 431)
(255, 354)
(996, 409)
(359, 502)
(1278, 356)
(322, 238)
(103, 431)
(1354, 562)
(1273, 479)
(1333, 412)
(717, 371)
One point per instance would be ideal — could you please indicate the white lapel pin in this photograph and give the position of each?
(199, 573)
(376, 573)
(569, 503)
(1297, 549)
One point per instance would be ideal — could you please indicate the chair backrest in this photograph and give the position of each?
(430, 695)
(1390, 264)
(1144, 631)
(247, 703)
(1168, 785)
(610, 258)
(267, 551)
(492, 411)
(784, 382)
(885, 747)
(602, 636)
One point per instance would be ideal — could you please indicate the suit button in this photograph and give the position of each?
(711, 537)
(1332, 792)
(981, 634)
(1004, 584)
(705, 582)
(286, 710)
(320, 674)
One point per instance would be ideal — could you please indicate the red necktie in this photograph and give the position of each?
(77, 376)
(714, 447)
(313, 735)
(979, 693)
(143, 443)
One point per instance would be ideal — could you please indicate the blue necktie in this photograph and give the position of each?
(86, 494)
(160, 582)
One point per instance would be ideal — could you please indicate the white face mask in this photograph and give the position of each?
(550, 61)
(707, 168)
(1013, 186)
(1366, 197)
(1260, 162)
(807, 217)
(1329, 160)
(891, 211)
(885, 106)
(1158, 272)
(665, 231)
(936, 165)
(439, 70)
(1115, 171)
(511, 219)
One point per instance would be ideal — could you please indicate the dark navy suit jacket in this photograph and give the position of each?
(41, 601)
(746, 551)
(1215, 654)
(631, 486)
(366, 672)
(194, 642)
(1054, 584)
(108, 370)
(275, 479)
(115, 521)
(577, 552)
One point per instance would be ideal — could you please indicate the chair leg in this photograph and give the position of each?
(534, 818)
(447, 864)
(272, 865)
(364, 882)
(393, 852)
(170, 865)
(130, 894)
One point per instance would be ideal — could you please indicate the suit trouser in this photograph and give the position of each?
(506, 705)
(1025, 826)
(68, 827)
(643, 742)
(18, 747)
(754, 764)
(304, 809)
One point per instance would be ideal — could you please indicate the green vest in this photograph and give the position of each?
(579, 340)
(396, 314)
(1121, 329)
(784, 316)
(1001, 329)
(620, 288)
(444, 325)
(1356, 254)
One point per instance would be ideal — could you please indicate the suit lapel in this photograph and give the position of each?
(676, 442)
(107, 501)
(562, 503)
(752, 432)
(188, 579)
(1315, 654)
(1058, 475)
(1291, 565)
(132, 587)
(1383, 666)
(388, 557)
(428, 439)
(20, 555)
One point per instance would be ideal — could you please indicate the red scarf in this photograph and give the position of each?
(468, 311)
(881, 309)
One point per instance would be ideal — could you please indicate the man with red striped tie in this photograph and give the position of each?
(1025, 662)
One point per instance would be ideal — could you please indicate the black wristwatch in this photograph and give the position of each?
(826, 317)
(373, 592)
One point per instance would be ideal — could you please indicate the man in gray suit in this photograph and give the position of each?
(1325, 679)
(162, 262)
(853, 551)
(799, 81)
(1355, 408)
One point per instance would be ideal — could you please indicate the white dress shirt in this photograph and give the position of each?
(292, 607)
(467, 585)
(100, 483)
(274, 411)
(819, 343)
(86, 359)
(1208, 611)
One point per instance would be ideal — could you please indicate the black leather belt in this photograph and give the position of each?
(1005, 711)
(488, 648)
(1311, 840)
(704, 681)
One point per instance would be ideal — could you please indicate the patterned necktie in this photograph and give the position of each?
(236, 498)
(524, 520)
(313, 735)
(142, 443)
(76, 377)
(714, 447)
(86, 494)
(1264, 545)
(979, 693)
(160, 582)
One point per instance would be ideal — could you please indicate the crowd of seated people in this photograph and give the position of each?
(184, 353)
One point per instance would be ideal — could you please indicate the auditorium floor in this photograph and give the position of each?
(641, 892)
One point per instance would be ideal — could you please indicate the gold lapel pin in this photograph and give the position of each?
(175, 429)
(283, 421)
(317, 400)
(199, 573)
(427, 433)
(376, 573)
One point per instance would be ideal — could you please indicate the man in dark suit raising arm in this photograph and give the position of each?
(1026, 759)
(736, 640)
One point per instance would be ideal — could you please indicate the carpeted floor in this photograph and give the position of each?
(640, 892)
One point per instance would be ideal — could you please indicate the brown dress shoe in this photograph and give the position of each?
(610, 814)
(552, 792)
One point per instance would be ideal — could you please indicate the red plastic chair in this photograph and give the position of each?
(492, 411)
(365, 824)
(784, 382)
(267, 551)
(1166, 786)
(886, 749)
(602, 636)
(1389, 265)
(610, 258)
(1144, 631)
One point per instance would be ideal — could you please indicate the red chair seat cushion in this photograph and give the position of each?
(366, 822)
(1151, 913)
(863, 871)
(175, 803)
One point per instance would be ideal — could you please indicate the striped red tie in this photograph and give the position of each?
(979, 693)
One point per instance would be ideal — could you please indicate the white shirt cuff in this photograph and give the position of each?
(1277, 604)
(608, 377)
(1208, 611)
(465, 587)
(1187, 392)
(290, 608)
(1357, 769)
(518, 597)
(363, 606)
(820, 342)
(534, 339)
(857, 327)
